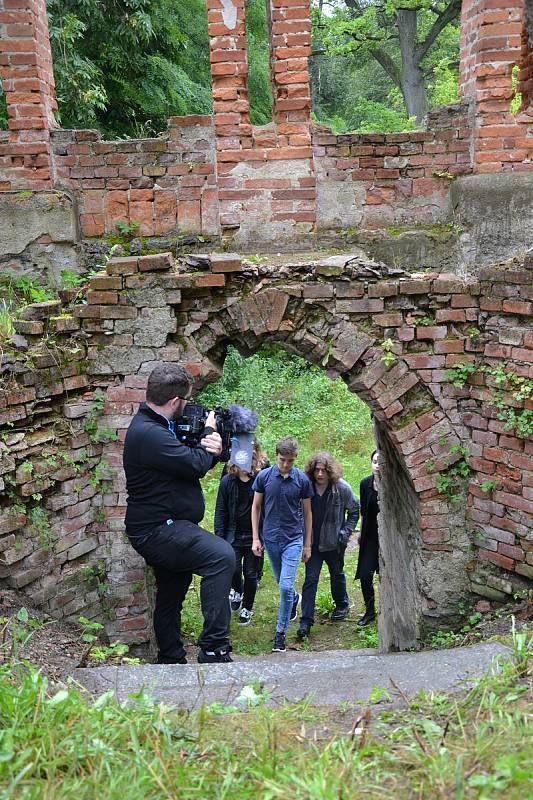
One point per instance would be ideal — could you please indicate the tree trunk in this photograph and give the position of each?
(412, 81)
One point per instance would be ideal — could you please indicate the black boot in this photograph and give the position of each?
(368, 617)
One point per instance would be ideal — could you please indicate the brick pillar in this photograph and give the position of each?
(28, 81)
(290, 47)
(491, 45)
(265, 175)
(229, 72)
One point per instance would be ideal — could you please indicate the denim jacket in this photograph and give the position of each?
(340, 519)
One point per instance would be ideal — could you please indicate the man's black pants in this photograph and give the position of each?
(337, 581)
(177, 552)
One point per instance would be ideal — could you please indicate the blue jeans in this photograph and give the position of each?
(337, 582)
(284, 560)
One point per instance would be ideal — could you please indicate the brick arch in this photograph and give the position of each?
(337, 322)
(422, 541)
(335, 311)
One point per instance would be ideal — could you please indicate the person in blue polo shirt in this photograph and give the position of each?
(285, 492)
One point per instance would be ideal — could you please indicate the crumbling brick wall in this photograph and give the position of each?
(374, 180)
(279, 182)
(28, 81)
(470, 534)
(491, 46)
(166, 184)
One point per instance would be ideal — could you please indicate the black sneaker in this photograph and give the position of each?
(339, 613)
(279, 643)
(219, 656)
(245, 617)
(304, 630)
(296, 603)
(235, 600)
(366, 619)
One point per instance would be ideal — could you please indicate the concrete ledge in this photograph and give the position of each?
(326, 678)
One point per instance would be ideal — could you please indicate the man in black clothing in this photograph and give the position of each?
(165, 505)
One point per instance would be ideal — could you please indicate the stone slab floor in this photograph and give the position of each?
(326, 678)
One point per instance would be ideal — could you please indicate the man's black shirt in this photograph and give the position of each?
(162, 474)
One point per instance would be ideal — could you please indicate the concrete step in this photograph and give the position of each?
(325, 678)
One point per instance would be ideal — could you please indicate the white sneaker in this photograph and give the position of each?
(245, 617)
(235, 600)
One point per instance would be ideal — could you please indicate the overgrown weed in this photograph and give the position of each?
(58, 743)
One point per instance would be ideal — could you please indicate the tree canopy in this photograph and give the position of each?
(413, 43)
(125, 66)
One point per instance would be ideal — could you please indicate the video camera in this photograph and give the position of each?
(232, 422)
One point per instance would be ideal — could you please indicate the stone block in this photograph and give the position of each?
(225, 262)
(127, 265)
(156, 262)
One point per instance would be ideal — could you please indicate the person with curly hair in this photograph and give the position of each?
(335, 514)
(233, 522)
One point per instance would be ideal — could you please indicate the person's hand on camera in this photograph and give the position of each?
(212, 443)
(257, 548)
(211, 421)
(306, 553)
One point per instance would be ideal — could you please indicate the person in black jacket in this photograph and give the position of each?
(335, 514)
(368, 561)
(164, 506)
(233, 522)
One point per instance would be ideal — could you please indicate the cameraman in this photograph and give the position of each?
(165, 504)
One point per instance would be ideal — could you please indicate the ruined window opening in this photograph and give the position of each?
(259, 82)
(3, 109)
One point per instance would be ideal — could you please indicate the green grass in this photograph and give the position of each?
(58, 745)
(257, 637)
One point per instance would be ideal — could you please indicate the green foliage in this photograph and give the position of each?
(389, 357)
(293, 397)
(459, 374)
(512, 389)
(19, 290)
(259, 86)
(361, 40)
(57, 742)
(126, 231)
(516, 102)
(39, 523)
(124, 67)
(96, 409)
(452, 481)
(7, 319)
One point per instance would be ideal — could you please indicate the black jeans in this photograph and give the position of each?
(247, 563)
(177, 552)
(337, 580)
(367, 588)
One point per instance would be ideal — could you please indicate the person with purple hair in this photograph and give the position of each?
(233, 522)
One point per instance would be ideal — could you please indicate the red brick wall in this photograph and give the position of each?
(394, 177)
(491, 45)
(28, 81)
(250, 177)
(168, 184)
(260, 183)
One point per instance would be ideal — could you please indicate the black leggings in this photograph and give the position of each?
(367, 587)
(247, 563)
